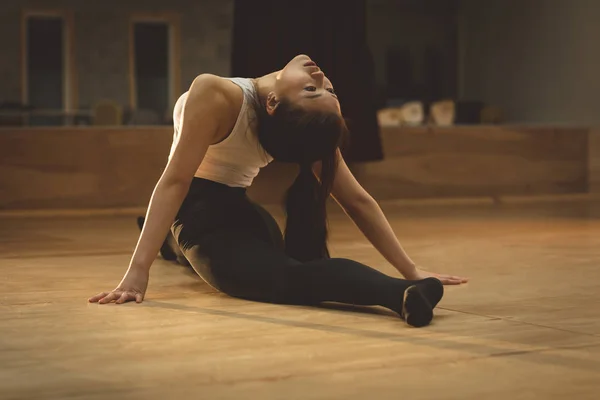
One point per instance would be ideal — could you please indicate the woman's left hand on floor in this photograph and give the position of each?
(445, 279)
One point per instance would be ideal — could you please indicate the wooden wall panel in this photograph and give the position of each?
(80, 168)
(478, 161)
(45, 168)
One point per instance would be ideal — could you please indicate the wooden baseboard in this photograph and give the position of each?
(68, 213)
(275, 208)
(478, 201)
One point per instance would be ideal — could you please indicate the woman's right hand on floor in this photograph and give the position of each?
(132, 288)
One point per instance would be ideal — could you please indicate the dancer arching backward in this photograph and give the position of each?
(226, 129)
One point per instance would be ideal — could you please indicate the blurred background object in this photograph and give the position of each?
(410, 113)
(442, 113)
(107, 113)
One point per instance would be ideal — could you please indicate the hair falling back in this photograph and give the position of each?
(295, 135)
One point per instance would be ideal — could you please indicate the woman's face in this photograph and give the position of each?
(303, 83)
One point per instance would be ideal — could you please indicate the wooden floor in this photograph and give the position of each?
(526, 327)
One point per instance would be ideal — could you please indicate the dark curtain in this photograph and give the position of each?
(269, 33)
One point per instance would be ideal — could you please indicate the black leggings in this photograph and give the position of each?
(237, 247)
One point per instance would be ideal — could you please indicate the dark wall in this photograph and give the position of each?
(415, 47)
(333, 33)
(102, 42)
(537, 59)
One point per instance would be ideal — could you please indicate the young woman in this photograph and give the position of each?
(226, 129)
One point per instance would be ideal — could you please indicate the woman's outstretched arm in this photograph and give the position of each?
(369, 218)
(205, 120)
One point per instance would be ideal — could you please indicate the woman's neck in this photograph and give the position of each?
(265, 84)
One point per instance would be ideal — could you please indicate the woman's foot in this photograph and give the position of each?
(419, 301)
(433, 289)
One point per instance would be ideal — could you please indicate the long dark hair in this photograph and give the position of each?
(295, 135)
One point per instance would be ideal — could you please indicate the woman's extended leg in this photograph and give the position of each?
(245, 262)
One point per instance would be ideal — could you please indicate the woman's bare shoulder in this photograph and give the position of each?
(214, 84)
(216, 97)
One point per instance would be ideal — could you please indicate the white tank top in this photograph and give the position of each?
(237, 159)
